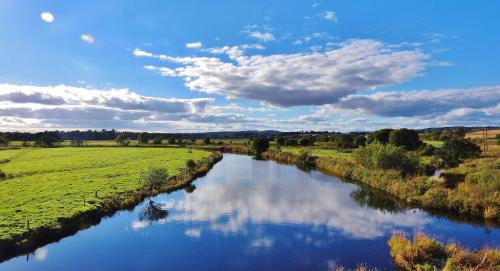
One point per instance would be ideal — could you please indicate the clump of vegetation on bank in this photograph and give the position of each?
(305, 160)
(380, 156)
(424, 253)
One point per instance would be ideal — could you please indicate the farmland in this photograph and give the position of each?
(46, 185)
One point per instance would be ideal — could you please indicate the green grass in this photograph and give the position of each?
(319, 152)
(48, 184)
(434, 143)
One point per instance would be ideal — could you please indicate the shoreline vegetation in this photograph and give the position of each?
(32, 236)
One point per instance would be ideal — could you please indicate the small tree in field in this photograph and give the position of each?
(143, 138)
(405, 138)
(4, 142)
(122, 140)
(157, 140)
(381, 136)
(206, 141)
(359, 141)
(190, 165)
(455, 150)
(259, 145)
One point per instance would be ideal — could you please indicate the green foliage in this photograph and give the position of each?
(305, 160)
(77, 143)
(47, 184)
(280, 141)
(157, 140)
(154, 177)
(3, 176)
(306, 141)
(291, 142)
(359, 141)
(259, 145)
(122, 140)
(381, 136)
(4, 142)
(454, 151)
(190, 164)
(426, 150)
(380, 156)
(143, 138)
(406, 138)
(344, 141)
(47, 139)
(206, 141)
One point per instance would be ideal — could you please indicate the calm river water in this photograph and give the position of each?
(251, 215)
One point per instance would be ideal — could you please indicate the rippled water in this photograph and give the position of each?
(250, 215)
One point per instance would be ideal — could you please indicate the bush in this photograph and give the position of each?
(380, 156)
(406, 138)
(455, 150)
(157, 140)
(206, 141)
(122, 140)
(305, 141)
(280, 141)
(143, 138)
(359, 141)
(4, 142)
(426, 150)
(77, 143)
(382, 136)
(259, 145)
(344, 141)
(154, 177)
(305, 160)
(190, 164)
(291, 142)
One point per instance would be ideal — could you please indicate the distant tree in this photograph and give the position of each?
(435, 135)
(344, 141)
(280, 141)
(445, 135)
(143, 138)
(406, 138)
(122, 140)
(77, 143)
(171, 140)
(4, 142)
(381, 136)
(157, 140)
(306, 141)
(259, 145)
(426, 150)
(359, 141)
(206, 141)
(190, 165)
(291, 142)
(458, 132)
(454, 150)
(47, 139)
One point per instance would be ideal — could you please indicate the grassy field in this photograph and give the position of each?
(319, 152)
(49, 184)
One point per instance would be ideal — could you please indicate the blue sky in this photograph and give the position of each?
(237, 65)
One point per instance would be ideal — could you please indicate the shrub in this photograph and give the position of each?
(406, 138)
(259, 145)
(291, 142)
(122, 140)
(77, 143)
(379, 156)
(157, 140)
(426, 150)
(359, 141)
(143, 138)
(305, 160)
(206, 141)
(172, 140)
(190, 164)
(344, 141)
(381, 136)
(154, 177)
(4, 142)
(455, 150)
(305, 141)
(280, 141)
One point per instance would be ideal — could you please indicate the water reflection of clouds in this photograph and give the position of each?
(298, 198)
(41, 254)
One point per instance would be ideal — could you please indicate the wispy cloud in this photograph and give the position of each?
(194, 45)
(47, 17)
(329, 16)
(264, 37)
(87, 38)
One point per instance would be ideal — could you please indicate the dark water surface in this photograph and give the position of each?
(250, 215)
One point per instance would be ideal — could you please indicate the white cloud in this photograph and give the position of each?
(264, 37)
(47, 17)
(330, 16)
(87, 38)
(314, 78)
(194, 45)
(193, 232)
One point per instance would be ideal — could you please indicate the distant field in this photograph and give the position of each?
(435, 143)
(319, 152)
(48, 184)
(479, 134)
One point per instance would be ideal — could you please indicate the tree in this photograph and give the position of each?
(359, 141)
(380, 156)
(344, 141)
(171, 140)
(122, 140)
(157, 140)
(381, 136)
(143, 138)
(259, 145)
(4, 142)
(435, 135)
(305, 141)
(406, 138)
(77, 143)
(458, 132)
(454, 150)
(206, 141)
(280, 141)
(291, 142)
(46, 139)
(190, 165)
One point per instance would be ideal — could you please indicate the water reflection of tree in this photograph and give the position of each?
(376, 200)
(190, 188)
(152, 212)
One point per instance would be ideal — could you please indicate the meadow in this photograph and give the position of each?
(47, 185)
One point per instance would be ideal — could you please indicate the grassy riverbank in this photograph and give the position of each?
(51, 187)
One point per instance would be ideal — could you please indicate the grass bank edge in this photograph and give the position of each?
(33, 238)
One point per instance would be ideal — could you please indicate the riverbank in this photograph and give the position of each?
(62, 215)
